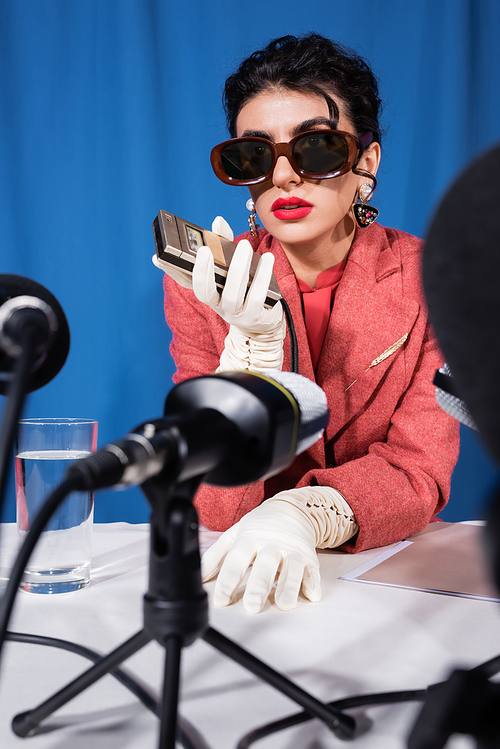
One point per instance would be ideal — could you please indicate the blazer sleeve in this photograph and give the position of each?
(401, 483)
(196, 332)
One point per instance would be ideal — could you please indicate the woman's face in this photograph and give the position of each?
(317, 217)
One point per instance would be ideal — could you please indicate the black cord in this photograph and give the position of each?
(128, 682)
(294, 347)
(72, 647)
(382, 698)
(488, 669)
(53, 501)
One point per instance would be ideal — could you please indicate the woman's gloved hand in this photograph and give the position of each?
(278, 539)
(235, 305)
(256, 334)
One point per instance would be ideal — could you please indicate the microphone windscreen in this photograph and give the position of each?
(311, 399)
(461, 272)
(15, 286)
(448, 400)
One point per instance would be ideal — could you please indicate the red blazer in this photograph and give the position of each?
(389, 448)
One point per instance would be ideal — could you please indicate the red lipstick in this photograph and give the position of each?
(287, 209)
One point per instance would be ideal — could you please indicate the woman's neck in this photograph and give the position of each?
(308, 261)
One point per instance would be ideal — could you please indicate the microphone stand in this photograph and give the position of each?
(468, 703)
(31, 331)
(175, 612)
(15, 400)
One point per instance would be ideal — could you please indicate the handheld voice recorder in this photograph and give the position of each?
(177, 242)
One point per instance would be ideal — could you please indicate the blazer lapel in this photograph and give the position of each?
(369, 325)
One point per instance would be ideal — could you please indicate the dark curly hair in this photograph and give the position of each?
(311, 63)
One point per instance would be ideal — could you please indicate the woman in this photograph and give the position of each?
(353, 287)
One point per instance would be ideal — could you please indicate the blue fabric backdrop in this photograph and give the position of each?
(108, 112)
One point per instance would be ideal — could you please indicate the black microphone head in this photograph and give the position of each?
(461, 272)
(52, 360)
(276, 417)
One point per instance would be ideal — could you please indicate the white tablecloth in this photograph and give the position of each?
(360, 638)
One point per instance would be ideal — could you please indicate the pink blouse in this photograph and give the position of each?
(317, 304)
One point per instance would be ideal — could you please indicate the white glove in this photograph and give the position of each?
(257, 352)
(247, 313)
(256, 334)
(279, 538)
(183, 278)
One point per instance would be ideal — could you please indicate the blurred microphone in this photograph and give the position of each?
(448, 398)
(28, 309)
(232, 428)
(461, 268)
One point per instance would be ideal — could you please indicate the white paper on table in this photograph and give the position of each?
(444, 558)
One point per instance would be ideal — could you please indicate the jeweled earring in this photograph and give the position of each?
(252, 219)
(365, 214)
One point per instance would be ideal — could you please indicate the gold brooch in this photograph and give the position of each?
(383, 356)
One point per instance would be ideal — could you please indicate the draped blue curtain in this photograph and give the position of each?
(108, 112)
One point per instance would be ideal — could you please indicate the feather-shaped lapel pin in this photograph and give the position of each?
(383, 356)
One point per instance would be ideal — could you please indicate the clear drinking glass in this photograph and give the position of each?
(45, 448)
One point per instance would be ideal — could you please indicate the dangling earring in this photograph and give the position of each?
(365, 214)
(252, 218)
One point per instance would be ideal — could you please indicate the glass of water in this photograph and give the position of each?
(45, 448)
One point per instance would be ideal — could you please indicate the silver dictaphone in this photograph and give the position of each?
(177, 242)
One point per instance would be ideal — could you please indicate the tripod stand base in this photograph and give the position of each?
(176, 614)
